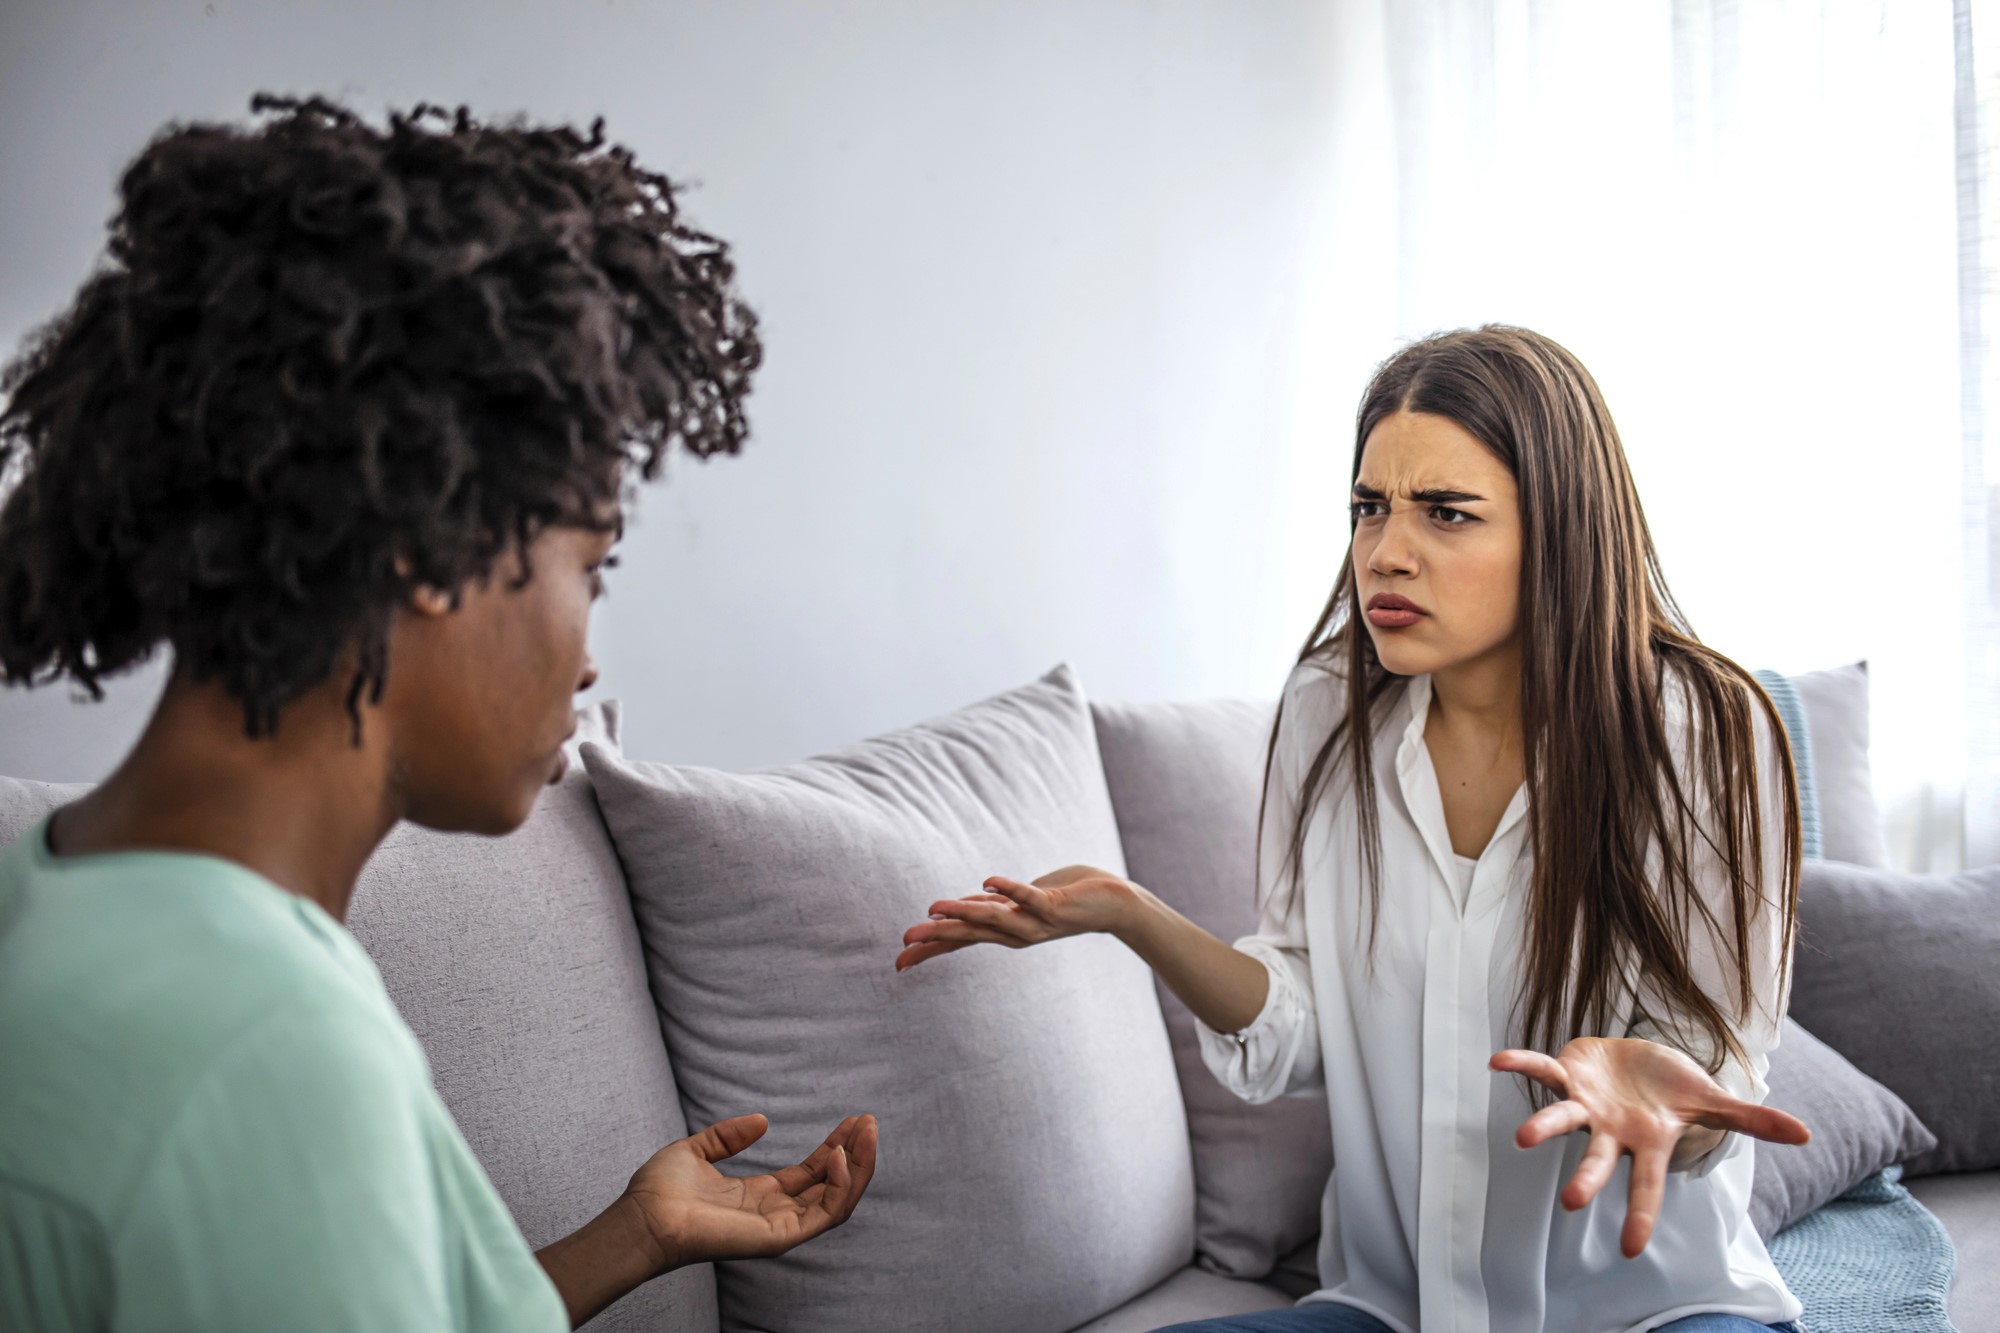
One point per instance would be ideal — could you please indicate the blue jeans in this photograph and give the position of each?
(1324, 1317)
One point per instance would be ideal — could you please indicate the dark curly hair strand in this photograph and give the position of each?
(326, 363)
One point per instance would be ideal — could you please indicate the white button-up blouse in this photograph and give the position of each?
(1434, 1219)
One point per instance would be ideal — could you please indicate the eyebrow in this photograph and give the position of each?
(1430, 495)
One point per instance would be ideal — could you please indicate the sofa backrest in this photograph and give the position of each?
(1185, 781)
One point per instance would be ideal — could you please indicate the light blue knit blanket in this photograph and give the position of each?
(1792, 712)
(1872, 1261)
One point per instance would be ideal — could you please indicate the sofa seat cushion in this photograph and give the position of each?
(1185, 780)
(1968, 1203)
(1034, 1167)
(1192, 1293)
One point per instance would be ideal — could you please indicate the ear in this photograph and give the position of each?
(425, 599)
(428, 601)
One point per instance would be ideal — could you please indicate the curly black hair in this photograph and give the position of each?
(325, 363)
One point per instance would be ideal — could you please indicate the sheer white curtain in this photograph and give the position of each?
(1744, 216)
(1978, 105)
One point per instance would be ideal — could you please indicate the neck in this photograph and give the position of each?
(1481, 696)
(304, 808)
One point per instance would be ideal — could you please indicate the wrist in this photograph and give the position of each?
(1134, 912)
(642, 1233)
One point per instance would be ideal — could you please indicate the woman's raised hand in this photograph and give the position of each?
(1642, 1098)
(1075, 900)
(697, 1214)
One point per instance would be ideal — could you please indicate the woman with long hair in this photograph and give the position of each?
(1528, 868)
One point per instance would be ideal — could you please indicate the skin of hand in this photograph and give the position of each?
(679, 1210)
(1075, 900)
(1642, 1098)
(697, 1214)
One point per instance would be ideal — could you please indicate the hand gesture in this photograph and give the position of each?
(696, 1213)
(1642, 1098)
(1075, 900)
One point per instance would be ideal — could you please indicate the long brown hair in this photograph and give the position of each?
(1603, 783)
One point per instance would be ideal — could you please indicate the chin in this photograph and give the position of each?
(1403, 658)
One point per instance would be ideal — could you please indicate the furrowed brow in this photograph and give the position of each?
(1363, 491)
(1437, 495)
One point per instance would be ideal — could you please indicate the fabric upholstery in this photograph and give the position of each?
(1034, 1165)
(1968, 1204)
(1185, 780)
(1858, 1128)
(1192, 1293)
(1850, 823)
(1898, 973)
(24, 804)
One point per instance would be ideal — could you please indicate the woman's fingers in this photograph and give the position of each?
(924, 952)
(1551, 1122)
(1642, 1206)
(1544, 1069)
(795, 1179)
(1759, 1122)
(1030, 899)
(995, 915)
(726, 1138)
(1600, 1159)
(848, 1172)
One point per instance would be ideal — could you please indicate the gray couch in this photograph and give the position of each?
(556, 1014)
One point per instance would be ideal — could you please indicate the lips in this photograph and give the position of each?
(1386, 610)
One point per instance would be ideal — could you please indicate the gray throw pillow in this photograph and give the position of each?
(1901, 974)
(1836, 704)
(25, 803)
(1034, 1167)
(1858, 1127)
(1185, 780)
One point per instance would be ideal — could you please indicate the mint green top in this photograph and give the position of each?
(212, 1117)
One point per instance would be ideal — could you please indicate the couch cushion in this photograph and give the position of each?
(1034, 1164)
(1192, 1293)
(1897, 973)
(1858, 1127)
(1969, 1206)
(24, 804)
(1185, 781)
(516, 962)
(1850, 823)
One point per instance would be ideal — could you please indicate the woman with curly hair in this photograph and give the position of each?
(346, 423)
(1517, 820)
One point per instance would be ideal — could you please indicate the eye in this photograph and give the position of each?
(597, 572)
(1361, 509)
(1451, 518)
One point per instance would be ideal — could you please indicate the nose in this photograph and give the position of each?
(589, 676)
(1395, 555)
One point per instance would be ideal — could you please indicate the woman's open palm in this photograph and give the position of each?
(1075, 900)
(698, 1214)
(1642, 1098)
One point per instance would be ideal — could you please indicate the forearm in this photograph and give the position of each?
(1225, 988)
(602, 1260)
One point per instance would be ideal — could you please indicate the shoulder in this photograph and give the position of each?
(131, 990)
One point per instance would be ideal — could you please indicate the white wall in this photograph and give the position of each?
(1035, 280)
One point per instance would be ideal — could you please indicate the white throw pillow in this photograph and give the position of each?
(1836, 704)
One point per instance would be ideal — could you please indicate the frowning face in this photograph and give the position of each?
(1437, 545)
